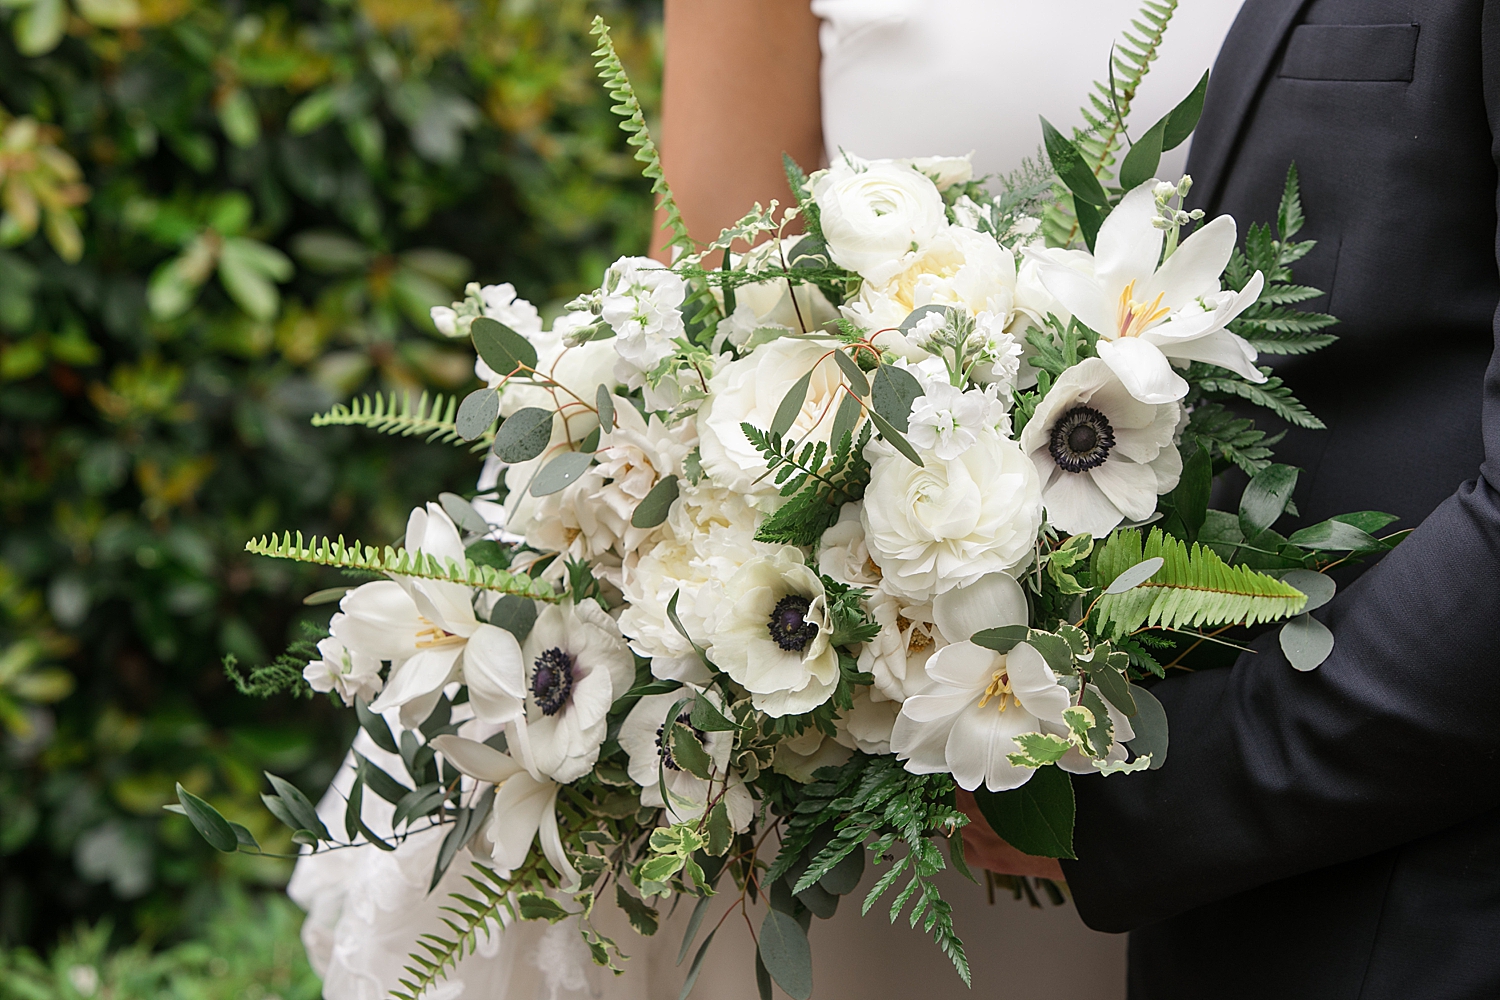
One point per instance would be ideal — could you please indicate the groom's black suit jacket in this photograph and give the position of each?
(1336, 834)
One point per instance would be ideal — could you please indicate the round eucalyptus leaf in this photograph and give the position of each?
(463, 514)
(1306, 642)
(787, 954)
(560, 473)
(655, 505)
(476, 413)
(524, 435)
(1319, 587)
(502, 348)
(1135, 575)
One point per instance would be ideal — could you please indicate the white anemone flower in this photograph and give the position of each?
(643, 736)
(524, 808)
(965, 722)
(1103, 455)
(428, 631)
(773, 637)
(577, 663)
(1147, 317)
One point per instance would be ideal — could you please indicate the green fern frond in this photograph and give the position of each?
(1273, 394)
(446, 953)
(633, 124)
(402, 562)
(1193, 588)
(435, 417)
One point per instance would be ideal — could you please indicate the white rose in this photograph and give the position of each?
(772, 308)
(875, 214)
(943, 525)
(750, 390)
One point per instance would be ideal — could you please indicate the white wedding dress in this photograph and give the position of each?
(899, 78)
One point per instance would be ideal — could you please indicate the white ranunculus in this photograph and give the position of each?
(577, 663)
(898, 654)
(944, 171)
(959, 267)
(965, 722)
(524, 808)
(945, 524)
(772, 637)
(750, 390)
(338, 668)
(643, 738)
(428, 631)
(772, 308)
(642, 302)
(708, 535)
(842, 553)
(1103, 456)
(1149, 317)
(876, 214)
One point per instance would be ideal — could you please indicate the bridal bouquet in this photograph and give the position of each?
(774, 550)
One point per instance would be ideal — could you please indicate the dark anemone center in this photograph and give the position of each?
(552, 680)
(789, 626)
(664, 745)
(1081, 439)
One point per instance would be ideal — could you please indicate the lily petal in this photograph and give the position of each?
(1035, 685)
(989, 602)
(1144, 370)
(1128, 245)
(496, 674)
(1193, 269)
(476, 759)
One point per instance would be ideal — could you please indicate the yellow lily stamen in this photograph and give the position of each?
(999, 688)
(434, 636)
(1135, 317)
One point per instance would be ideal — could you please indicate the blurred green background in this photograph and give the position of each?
(216, 219)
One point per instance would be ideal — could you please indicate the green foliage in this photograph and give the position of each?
(433, 417)
(1272, 394)
(281, 675)
(816, 489)
(1194, 587)
(1231, 437)
(157, 375)
(399, 562)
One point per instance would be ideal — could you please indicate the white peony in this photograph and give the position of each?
(750, 391)
(1150, 317)
(338, 668)
(577, 664)
(708, 535)
(945, 524)
(801, 756)
(1102, 455)
(643, 738)
(773, 636)
(965, 722)
(875, 214)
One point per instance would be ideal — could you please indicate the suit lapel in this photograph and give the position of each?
(1249, 49)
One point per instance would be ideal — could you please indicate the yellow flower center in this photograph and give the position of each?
(434, 636)
(1135, 317)
(1000, 688)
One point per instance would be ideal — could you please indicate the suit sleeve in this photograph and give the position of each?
(1274, 772)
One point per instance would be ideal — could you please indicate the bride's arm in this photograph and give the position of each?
(740, 89)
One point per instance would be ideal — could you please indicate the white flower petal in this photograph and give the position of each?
(1144, 370)
(516, 817)
(1225, 349)
(963, 666)
(496, 674)
(1193, 269)
(989, 602)
(979, 742)
(1034, 683)
(1130, 487)
(1077, 506)
(426, 672)
(1128, 245)
(476, 759)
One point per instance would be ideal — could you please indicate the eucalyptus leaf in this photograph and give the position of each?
(604, 402)
(212, 826)
(560, 473)
(524, 435)
(502, 348)
(1150, 726)
(791, 405)
(1306, 642)
(1319, 587)
(1036, 818)
(463, 514)
(1265, 498)
(892, 395)
(1334, 535)
(700, 910)
(787, 954)
(697, 966)
(856, 378)
(477, 413)
(895, 438)
(375, 726)
(920, 313)
(1136, 575)
(331, 595)
(844, 419)
(515, 614)
(843, 878)
(656, 504)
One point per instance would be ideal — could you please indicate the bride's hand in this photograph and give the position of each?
(983, 847)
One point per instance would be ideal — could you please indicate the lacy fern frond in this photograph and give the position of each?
(633, 123)
(1232, 437)
(1193, 588)
(1107, 112)
(1273, 394)
(433, 416)
(399, 562)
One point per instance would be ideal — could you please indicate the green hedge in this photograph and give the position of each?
(219, 218)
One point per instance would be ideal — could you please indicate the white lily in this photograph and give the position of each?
(428, 631)
(1149, 317)
(965, 722)
(524, 809)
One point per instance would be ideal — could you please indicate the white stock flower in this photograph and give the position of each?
(642, 302)
(524, 807)
(1103, 456)
(945, 524)
(577, 663)
(338, 668)
(875, 214)
(948, 421)
(965, 722)
(1147, 317)
(772, 637)
(427, 629)
(750, 390)
(643, 737)
(496, 302)
(708, 535)
(958, 267)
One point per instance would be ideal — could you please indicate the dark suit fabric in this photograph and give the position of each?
(1336, 834)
